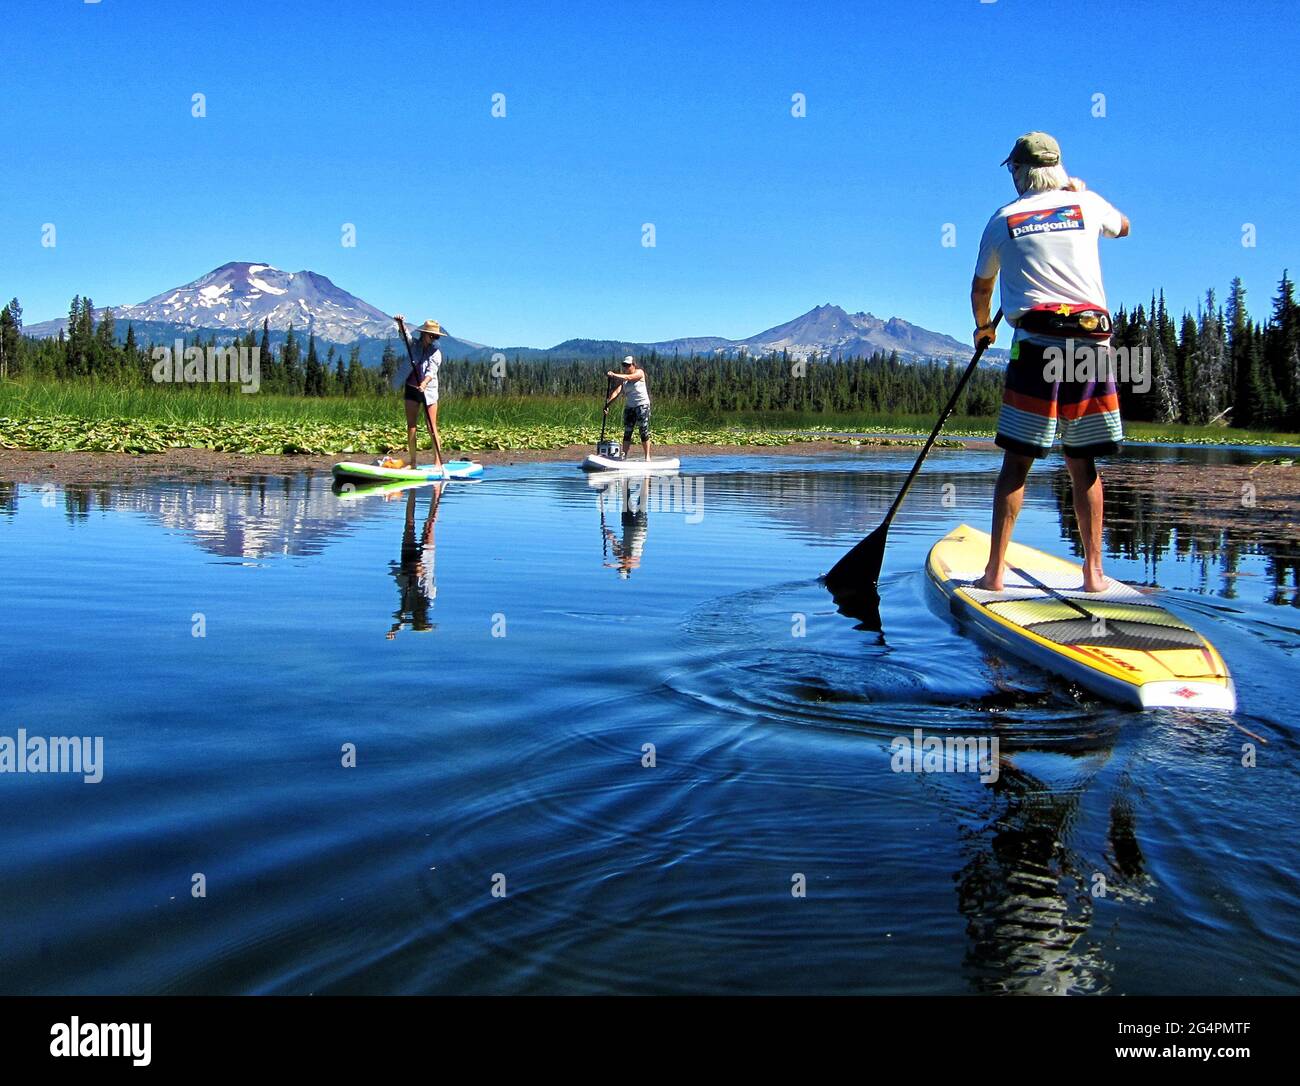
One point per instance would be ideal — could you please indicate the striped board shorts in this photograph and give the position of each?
(1086, 412)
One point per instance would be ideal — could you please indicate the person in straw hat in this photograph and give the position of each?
(421, 390)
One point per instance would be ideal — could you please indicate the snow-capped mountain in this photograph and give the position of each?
(239, 296)
(829, 330)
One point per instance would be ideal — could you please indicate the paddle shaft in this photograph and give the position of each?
(938, 426)
(1024, 574)
(855, 575)
(604, 415)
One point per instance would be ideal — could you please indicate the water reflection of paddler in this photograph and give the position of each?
(626, 552)
(1026, 890)
(416, 584)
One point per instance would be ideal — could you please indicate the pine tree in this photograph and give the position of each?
(1183, 367)
(1282, 351)
(270, 372)
(1208, 366)
(388, 366)
(75, 348)
(313, 375)
(355, 379)
(289, 356)
(131, 355)
(1261, 398)
(11, 339)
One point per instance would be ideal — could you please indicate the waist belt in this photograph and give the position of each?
(1084, 321)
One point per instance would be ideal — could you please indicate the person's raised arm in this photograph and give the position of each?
(1076, 185)
(401, 327)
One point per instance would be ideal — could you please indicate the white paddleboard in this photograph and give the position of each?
(633, 465)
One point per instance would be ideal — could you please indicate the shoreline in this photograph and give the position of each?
(1278, 482)
(1193, 496)
(83, 466)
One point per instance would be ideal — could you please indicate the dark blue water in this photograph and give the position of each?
(501, 670)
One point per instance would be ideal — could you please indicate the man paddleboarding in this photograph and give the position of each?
(634, 385)
(1043, 246)
(420, 392)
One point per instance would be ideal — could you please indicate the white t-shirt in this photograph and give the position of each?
(1044, 247)
(637, 393)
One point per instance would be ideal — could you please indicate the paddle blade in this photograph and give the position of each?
(858, 572)
(863, 606)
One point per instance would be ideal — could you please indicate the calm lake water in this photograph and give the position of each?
(500, 672)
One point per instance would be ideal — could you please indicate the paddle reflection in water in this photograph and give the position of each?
(417, 586)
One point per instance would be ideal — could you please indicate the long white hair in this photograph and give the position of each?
(1039, 178)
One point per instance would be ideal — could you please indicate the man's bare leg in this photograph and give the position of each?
(1008, 497)
(645, 446)
(1085, 482)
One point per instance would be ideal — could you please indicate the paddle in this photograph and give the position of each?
(604, 415)
(852, 580)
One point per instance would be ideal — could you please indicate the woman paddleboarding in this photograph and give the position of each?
(420, 392)
(635, 386)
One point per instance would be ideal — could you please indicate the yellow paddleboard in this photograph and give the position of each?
(1118, 643)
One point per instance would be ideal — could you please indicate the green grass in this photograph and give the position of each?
(64, 417)
(1178, 433)
(61, 416)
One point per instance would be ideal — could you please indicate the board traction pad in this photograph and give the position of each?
(1117, 618)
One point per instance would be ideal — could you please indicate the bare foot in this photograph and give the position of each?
(987, 583)
(1096, 582)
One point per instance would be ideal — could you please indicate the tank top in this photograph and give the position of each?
(637, 392)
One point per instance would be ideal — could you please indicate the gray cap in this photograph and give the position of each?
(1034, 149)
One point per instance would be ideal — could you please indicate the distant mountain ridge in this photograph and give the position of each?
(239, 296)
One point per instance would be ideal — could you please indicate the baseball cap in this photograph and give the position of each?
(1035, 149)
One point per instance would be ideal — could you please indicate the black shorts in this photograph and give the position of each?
(638, 417)
(422, 398)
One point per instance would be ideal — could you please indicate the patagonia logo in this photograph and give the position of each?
(1045, 222)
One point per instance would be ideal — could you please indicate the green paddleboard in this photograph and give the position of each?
(451, 469)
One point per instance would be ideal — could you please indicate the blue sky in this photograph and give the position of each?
(526, 230)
